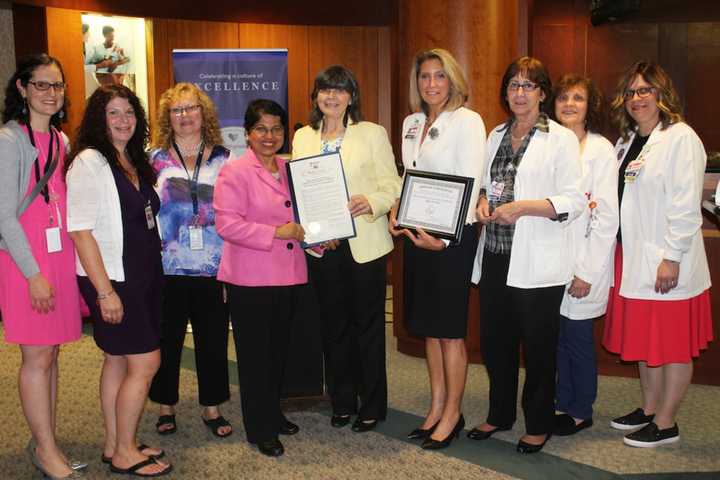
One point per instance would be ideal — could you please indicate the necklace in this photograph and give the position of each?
(190, 151)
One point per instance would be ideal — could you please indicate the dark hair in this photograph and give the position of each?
(339, 78)
(107, 29)
(534, 70)
(257, 108)
(93, 131)
(594, 115)
(14, 101)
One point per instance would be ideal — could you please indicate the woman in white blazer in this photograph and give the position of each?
(659, 310)
(350, 275)
(442, 136)
(578, 106)
(530, 194)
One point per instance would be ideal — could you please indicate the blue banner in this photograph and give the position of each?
(232, 79)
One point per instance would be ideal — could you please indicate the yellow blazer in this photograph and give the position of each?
(370, 170)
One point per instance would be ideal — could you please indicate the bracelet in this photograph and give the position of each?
(103, 296)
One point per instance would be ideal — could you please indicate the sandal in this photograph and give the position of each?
(215, 424)
(141, 447)
(166, 420)
(134, 469)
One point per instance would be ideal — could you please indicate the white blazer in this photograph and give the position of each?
(93, 204)
(593, 234)
(660, 214)
(457, 149)
(550, 168)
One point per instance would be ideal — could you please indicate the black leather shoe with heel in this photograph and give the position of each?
(431, 444)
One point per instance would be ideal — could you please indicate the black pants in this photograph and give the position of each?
(199, 299)
(511, 317)
(262, 319)
(352, 305)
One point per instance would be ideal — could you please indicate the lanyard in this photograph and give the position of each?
(45, 192)
(196, 173)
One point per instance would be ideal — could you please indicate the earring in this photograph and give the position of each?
(25, 107)
(61, 114)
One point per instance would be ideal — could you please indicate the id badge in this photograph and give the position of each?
(196, 237)
(52, 235)
(149, 217)
(496, 190)
(633, 170)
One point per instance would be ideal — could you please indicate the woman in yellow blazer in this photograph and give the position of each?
(349, 275)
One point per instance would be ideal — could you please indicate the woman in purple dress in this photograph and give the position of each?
(111, 216)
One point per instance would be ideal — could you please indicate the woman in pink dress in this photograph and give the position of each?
(38, 292)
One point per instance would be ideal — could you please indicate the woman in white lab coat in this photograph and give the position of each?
(659, 310)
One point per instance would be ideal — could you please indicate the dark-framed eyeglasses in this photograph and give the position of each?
(186, 110)
(641, 92)
(526, 86)
(44, 86)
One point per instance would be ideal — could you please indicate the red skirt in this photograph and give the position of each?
(656, 331)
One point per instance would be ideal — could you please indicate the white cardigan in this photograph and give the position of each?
(660, 215)
(593, 234)
(550, 168)
(93, 204)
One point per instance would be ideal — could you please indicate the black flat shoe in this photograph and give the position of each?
(477, 434)
(422, 433)
(271, 448)
(523, 447)
(289, 428)
(565, 425)
(339, 421)
(360, 426)
(431, 444)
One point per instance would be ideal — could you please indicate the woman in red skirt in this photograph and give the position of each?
(659, 310)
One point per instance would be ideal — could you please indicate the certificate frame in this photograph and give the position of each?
(456, 191)
(293, 169)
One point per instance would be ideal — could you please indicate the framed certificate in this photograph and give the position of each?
(320, 197)
(435, 202)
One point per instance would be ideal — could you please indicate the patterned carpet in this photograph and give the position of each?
(322, 452)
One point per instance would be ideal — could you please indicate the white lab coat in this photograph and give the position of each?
(593, 234)
(550, 169)
(660, 214)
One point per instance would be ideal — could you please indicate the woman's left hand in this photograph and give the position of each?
(507, 213)
(579, 288)
(424, 240)
(667, 276)
(359, 205)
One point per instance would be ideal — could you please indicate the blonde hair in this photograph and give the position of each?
(458, 94)
(163, 133)
(668, 101)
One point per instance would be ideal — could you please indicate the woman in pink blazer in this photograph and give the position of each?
(263, 266)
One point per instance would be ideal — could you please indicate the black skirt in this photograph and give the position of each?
(437, 285)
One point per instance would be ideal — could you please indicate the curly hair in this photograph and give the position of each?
(532, 69)
(458, 94)
(594, 114)
(14, 101)
(93, 132)
(340, 78)
(668, 101)
(163, 134)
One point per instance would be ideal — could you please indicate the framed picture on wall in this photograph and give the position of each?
(114, 53)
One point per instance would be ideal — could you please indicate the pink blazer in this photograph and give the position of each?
(249, 204)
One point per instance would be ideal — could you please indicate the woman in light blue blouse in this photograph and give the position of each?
(187, 159)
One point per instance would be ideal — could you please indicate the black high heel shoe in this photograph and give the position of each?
(422, 433)
(431, 444)
(524, 447)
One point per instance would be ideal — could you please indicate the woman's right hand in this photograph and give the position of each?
(42, 296)
(111, 308)
(290, 231)
(483, 211)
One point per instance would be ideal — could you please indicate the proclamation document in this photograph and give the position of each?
(437, 203)
(320, 197)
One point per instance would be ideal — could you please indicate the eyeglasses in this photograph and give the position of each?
(641, 92)
(180, 111)
(526, 86)
(44, 86)
(263, 130)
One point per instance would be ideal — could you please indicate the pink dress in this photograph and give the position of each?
(22, 324)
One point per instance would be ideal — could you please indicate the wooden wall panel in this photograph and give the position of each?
(703, 70)
(295, 39)
(65, 43)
